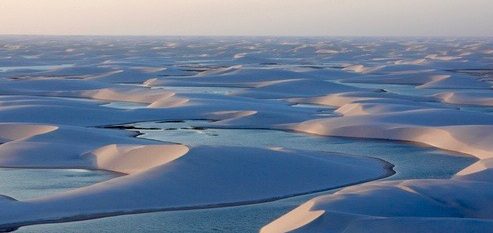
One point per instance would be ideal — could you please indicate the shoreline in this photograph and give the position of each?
(11, 227)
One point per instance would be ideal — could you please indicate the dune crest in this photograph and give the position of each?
(295, 219)
(361, 69)
(473, 140)
(230, 115)
(131, 159)
(16, 131)
(468, 98)
(211, 92)
(154, 98)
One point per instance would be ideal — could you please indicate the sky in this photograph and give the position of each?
(248, 17)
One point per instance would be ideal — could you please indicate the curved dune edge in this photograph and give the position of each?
(353, 98)
(230, 115)
(272, 76)
(16, 131)
(169, 102)
(355, 109)
(479, 171)
(214, 172)
(154, 98)
(358, 68)
(398, 205)
(474, 140)
(469, 139)
(455, 81)
(131, 159)
(407, 203)
(470, 98)
(293, 220)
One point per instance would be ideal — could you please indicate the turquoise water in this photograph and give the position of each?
(242, 219)
(125, 105)
(412, 161)
(33, 68)
(185, 58)
(23, 184)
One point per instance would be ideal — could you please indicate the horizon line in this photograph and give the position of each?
(245, 35)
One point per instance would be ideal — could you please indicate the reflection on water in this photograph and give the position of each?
(23, 184)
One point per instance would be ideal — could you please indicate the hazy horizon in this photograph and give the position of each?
(319, 18)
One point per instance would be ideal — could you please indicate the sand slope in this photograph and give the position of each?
(58, 94)
(172, 179)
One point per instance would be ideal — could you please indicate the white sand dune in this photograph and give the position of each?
(154, 98)
(452, 133)
(442, 57)
(132, 159)
(426, 79)
(456, 205)
(133, 75)
(221, 71)
(63, 147)
(456, 81)
(228, 116)
(362, 108)
(66, 111)
(361, 69)
(11, 132)
(363, 96)
(415, 79)
(222, 176)
(480, 171)
(291, 88)
(56, 93)
(231, 76)
(467, 98)
(414, 206)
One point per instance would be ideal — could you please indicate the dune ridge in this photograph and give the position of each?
(12, 131)
(131, 159)
(66, 101)
(348, 209)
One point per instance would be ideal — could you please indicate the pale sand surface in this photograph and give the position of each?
(59, 95)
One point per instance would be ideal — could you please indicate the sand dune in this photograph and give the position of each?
(11, 132)
(132, 159)
(468, 98)
(59, 95)
(155, 98)
(291, 88)
(415, 206)
(456, 81)
(402, 79)
(480, 171)
(361, 69)
(470, 139)
(354, 109)
(459, 204)
(222, 176)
